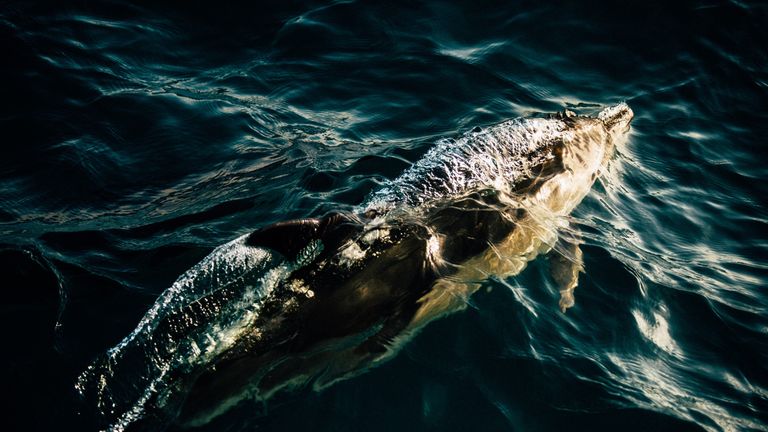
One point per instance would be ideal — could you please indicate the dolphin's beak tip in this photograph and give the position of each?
(619, 114)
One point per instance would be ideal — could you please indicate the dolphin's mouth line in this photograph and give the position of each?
(617, 116)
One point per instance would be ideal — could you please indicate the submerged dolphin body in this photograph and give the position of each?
(318, 300)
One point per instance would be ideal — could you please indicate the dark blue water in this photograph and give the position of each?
(137, 139)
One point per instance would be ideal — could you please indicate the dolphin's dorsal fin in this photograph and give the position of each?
(291, 237)
(288, 238)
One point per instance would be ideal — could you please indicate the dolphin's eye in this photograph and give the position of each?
(558, 149)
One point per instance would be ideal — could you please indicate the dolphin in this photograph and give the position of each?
(321, 300)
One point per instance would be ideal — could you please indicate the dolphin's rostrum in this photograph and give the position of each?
(318, 300)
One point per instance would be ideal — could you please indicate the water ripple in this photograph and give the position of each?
(138, 138)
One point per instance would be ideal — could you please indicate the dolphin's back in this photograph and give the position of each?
(497, 157)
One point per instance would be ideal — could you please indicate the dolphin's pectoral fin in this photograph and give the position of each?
(291, 237)
(565, 264)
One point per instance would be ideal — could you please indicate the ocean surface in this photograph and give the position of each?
(136, 139)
